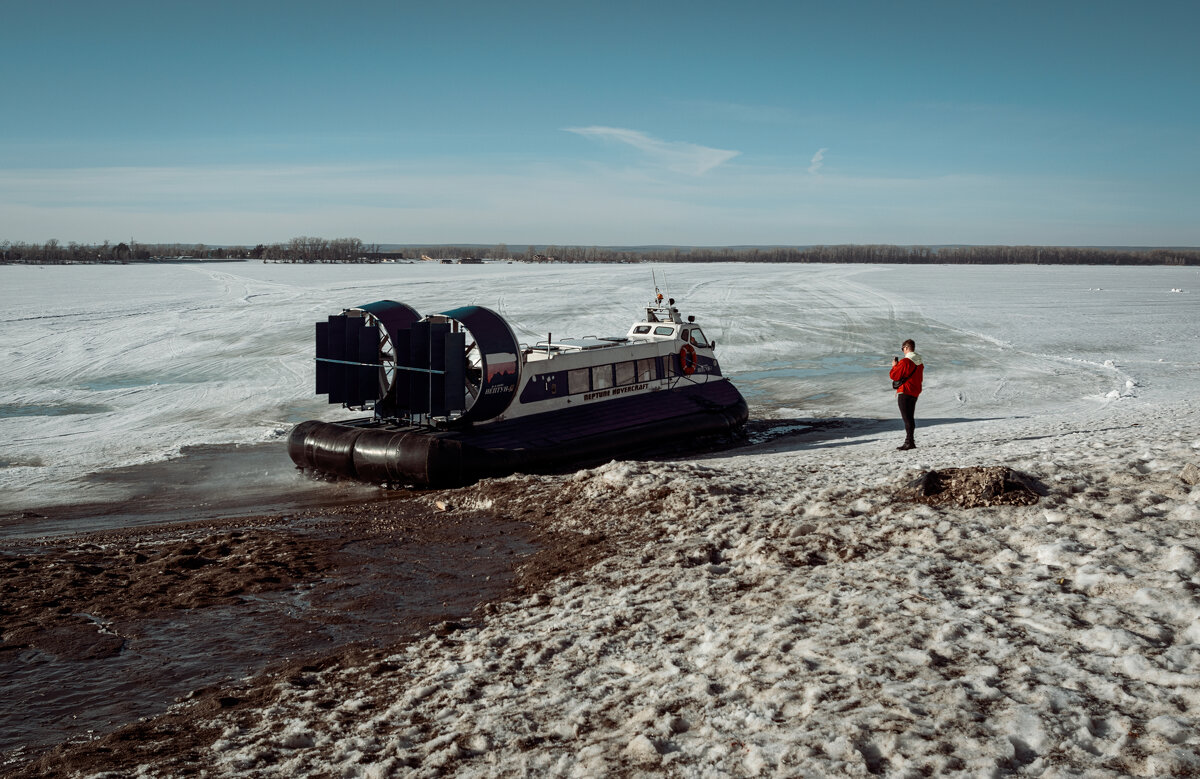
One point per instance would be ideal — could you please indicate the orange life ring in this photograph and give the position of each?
(687, 359)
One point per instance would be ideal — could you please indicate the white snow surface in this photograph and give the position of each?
(771, 610)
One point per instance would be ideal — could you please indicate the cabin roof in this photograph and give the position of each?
(583, 344)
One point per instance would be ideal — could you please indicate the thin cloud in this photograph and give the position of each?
(818, 160)
(455, 200)
(679, 156)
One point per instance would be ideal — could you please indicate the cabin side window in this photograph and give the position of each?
(663, 330)
(626, 373)
(641, 329)
(646, 370)
(577, 381)
(602, 377)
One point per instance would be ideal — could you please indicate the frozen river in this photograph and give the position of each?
(107, 367)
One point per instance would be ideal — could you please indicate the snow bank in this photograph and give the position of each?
(783, 613)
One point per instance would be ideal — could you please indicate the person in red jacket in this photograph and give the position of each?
(906, 378)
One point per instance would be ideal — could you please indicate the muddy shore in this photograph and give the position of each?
(104, 631)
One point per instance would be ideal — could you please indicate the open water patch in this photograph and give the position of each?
(826, 374)
(13, 410)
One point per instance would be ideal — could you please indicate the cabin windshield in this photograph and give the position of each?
(698, 338)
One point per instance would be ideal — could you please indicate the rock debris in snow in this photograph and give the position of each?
(974, 486)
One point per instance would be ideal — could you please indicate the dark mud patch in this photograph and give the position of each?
(109, 630)
(974, 486)
(559, 552)
(57, 597)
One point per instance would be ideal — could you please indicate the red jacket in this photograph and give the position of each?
(911, 370)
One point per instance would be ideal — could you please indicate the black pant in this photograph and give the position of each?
(908, 408)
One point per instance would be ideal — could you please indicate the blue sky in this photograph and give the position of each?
(607, 123)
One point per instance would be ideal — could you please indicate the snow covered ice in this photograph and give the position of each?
(774, 609)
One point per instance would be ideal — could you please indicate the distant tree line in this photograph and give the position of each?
(305, 249)
(879, 253)
(301, 249)
(54, 253)
(311, 249)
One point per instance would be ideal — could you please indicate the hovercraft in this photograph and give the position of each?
(456, 398)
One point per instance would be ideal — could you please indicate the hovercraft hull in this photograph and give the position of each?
(374, 451)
